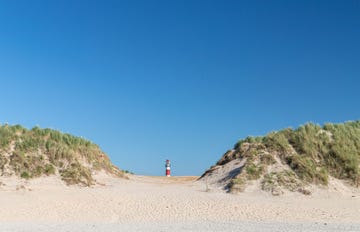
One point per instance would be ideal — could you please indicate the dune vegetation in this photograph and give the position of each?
(293, 158)
(43, 152)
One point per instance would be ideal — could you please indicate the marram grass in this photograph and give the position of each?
(38, 152)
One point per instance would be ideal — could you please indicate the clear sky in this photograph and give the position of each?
(179, 80)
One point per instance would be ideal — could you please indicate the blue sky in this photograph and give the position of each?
(178, 80)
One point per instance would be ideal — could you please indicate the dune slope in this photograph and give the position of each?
(43, 152)
(292, 160)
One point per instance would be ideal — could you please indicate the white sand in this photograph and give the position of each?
(164, 204)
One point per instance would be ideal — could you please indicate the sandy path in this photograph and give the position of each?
(159, 203)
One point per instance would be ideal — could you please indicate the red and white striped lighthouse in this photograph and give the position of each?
(167, 168)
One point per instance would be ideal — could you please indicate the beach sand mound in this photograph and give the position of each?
(302, 160)
(29, 154)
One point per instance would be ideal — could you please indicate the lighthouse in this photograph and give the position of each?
(167, 168)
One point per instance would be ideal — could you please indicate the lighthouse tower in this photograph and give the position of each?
(167, 168)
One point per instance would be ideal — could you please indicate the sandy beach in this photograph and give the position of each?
(163, 204)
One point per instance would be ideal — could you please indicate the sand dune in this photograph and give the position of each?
(160, 204)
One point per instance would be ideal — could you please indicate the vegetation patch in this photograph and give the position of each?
(36, 152)
(311, 152)
(285, 179)
(253, 172)
(237, 184)
(25, 175)
(267, 159)
(77, 174)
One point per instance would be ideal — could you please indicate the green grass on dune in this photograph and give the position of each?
(36, 152)
(314, 152)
